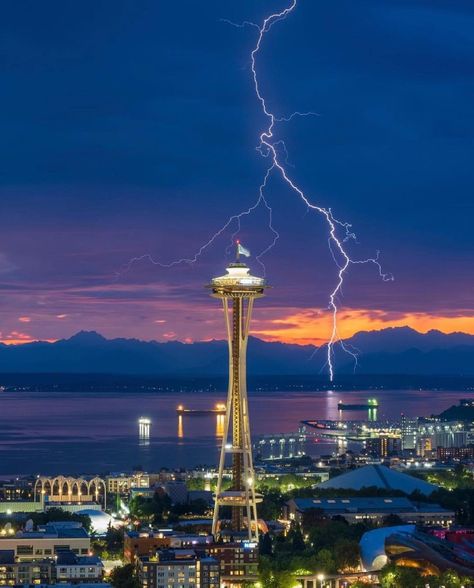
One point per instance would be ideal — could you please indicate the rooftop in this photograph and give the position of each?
(381, 477)
(68, 558)
(51, 533)
(366, 505)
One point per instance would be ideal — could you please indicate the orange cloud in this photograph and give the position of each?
(314, 326)
(17, 338)
(24, 319)
(169, 335)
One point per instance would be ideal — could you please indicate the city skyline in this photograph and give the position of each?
(236, 312)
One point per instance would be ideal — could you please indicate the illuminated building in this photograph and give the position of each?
(383, 446)
(428, 553)
(237, 290)
(123, 483)
(408, 433)
(455, 453)
(369, 509)
(425, 436)
(180, 568)
(15, 490)
(238, 562)
(73, 568)
(65, 567)
(34, 545)
(64, 490)
(144, 543)
(23, 573)
(424, 446)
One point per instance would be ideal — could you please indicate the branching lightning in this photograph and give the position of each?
(273, 150)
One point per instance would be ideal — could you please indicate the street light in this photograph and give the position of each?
(320, 578)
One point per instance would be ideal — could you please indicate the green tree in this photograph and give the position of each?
(450, 579)
(57, 514)
(393, 576)
(196, 484)
(325, 562)
(193, 507)
(265, 547)
(272, 504)
(124, 577)
(295, 537)
(328, 534)
(150, 509)
(273, 575)
(391, 520)
(111, 546)
(346, 554)
(313, 517)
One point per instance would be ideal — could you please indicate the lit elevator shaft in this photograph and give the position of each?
(237, 436)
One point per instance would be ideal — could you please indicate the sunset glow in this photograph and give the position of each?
(313, 327)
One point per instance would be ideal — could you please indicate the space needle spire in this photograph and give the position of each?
(237, 289)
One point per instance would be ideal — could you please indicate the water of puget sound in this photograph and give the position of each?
(71, 433)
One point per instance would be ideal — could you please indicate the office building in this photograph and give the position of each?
(143, 543)
(122, 483)
(34, 545)
(13, 572)
(383, 446)
(180, 568)
(455, 453)
(75, 568)
(238, 562)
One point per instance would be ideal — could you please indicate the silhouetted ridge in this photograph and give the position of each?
(395, 351)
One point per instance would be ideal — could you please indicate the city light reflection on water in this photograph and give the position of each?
(220, 419)
(73, 432)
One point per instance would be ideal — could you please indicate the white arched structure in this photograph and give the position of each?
(69, 489)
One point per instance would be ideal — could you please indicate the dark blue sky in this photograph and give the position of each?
(131, 127)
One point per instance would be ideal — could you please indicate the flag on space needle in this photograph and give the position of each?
(242, 251)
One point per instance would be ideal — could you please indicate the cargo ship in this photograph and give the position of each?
(219, 409)
(371, 404)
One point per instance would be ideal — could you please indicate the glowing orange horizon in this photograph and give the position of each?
(307, 326)
(19, 338)
(313, 326)
(23, 340)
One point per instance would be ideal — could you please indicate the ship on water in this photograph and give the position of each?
(371, 404)
(219, 409)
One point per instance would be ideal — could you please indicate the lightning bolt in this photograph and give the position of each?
(268, 147)
(272, 150)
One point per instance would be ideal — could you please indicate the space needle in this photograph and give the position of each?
(237, 289)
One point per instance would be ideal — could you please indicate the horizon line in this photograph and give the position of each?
(269, 339)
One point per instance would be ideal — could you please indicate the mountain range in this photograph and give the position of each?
(389, 351)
